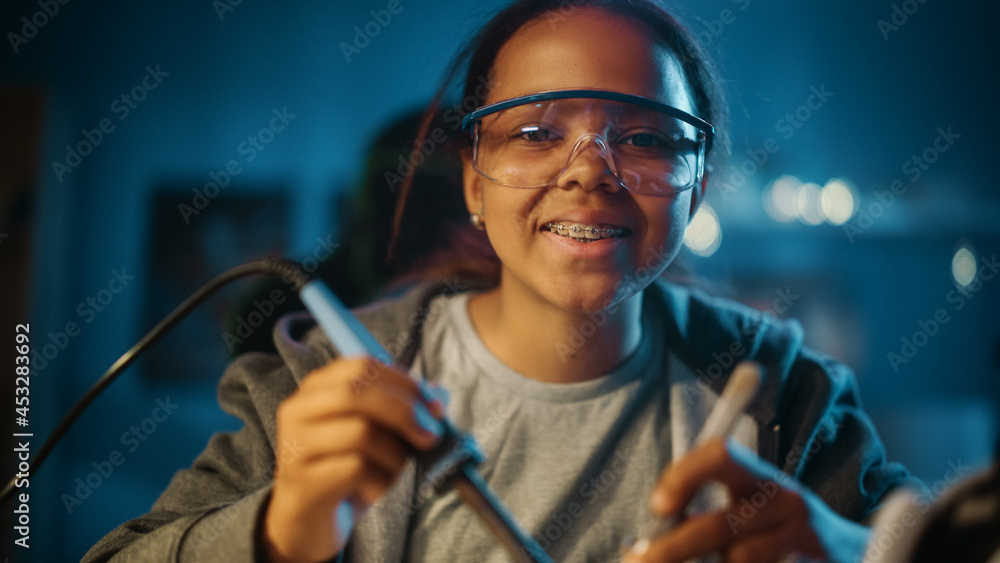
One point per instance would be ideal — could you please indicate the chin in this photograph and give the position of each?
(592, 295)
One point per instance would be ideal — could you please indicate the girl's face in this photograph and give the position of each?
(583, 49)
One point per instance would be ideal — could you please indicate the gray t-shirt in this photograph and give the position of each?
(574, 463)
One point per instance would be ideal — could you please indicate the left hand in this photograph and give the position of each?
(770, 517)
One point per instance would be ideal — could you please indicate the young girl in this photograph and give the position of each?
(583, 379)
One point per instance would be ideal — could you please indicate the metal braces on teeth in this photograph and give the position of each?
(609, 232)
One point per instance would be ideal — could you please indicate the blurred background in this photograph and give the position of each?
(149, 146)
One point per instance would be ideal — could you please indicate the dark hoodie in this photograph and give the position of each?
(809, 419)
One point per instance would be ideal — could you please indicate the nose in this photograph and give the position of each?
(590, 166)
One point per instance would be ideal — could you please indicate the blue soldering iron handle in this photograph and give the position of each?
(352, 339)
(457, 454)
(344, 329)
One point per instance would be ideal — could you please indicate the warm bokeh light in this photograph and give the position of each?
(703, 234)
(963, 266)
(837, 201)
(807, 204)
(779, 198)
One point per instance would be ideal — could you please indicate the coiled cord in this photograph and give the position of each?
(290, 271)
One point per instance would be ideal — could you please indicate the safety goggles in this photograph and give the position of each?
(530, 141)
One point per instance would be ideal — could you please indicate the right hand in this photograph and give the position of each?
(356, 420)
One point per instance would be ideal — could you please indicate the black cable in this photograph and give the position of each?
(290, 271)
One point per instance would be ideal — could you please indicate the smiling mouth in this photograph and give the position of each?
(586, 233)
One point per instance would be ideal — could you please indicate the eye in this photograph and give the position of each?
(535, 134)
(646, 140)
(654, 142)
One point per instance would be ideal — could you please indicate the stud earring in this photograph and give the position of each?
(478, 221)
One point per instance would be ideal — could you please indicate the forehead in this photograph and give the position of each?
(587, 48)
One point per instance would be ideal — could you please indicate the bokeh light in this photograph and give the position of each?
(963, 266)
(807, 204)
(837, 201)
(780, 198)
(704, 233)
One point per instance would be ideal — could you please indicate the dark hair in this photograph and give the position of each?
(468, 250)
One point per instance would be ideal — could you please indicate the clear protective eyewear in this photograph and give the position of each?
(529, 141)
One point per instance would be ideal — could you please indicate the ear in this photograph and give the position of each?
(698, 194)
(471, 186)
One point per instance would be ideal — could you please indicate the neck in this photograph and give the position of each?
(538, 340)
